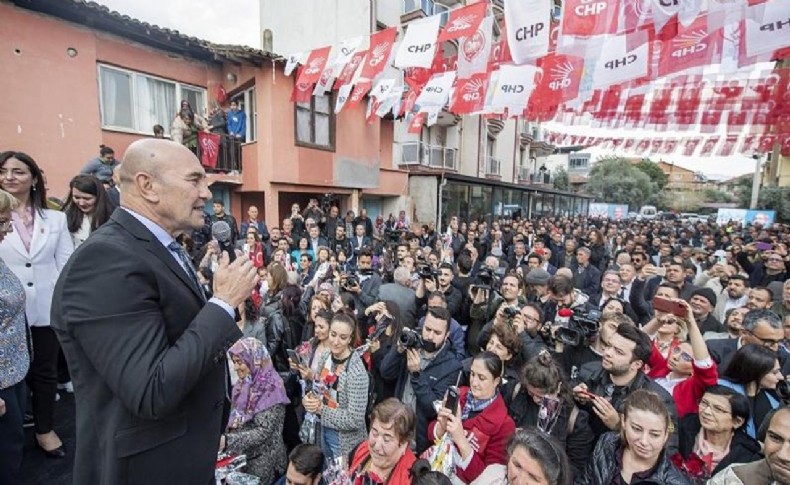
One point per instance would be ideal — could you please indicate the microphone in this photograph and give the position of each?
(220, 230)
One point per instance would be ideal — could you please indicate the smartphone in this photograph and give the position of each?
(669, 306)
(294, 357)
(763, 246)
(660, 271)
(588, 394)
(452, 399)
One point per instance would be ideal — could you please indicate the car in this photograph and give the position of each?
(648, 212)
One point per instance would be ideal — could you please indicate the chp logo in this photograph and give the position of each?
(461, 23)
(561, 76)
(378, 53)
(473, 45)
(689, 43)
(473, 90)
(315, 66)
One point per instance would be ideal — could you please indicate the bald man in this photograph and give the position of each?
(145, 348)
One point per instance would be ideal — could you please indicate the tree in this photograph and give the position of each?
(714, 195)
(657, 176)
(561, 180)
(616, 180)
(770, 198)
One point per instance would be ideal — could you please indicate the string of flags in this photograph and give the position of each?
(680, 65)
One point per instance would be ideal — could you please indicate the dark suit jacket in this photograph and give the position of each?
(721, 350)
(147, 358)
(589, 281)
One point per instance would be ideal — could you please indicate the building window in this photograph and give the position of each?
(131, 101)
(315, 123)
(246, 102)
(577, 163)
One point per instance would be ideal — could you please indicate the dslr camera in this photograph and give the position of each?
(486, 279)
(411, 339)
(582, 326)
(427, 272)
(350, 282)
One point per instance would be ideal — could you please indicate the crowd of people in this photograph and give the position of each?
(505, 350)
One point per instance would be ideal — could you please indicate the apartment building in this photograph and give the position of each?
(77, 75)
(465, 165)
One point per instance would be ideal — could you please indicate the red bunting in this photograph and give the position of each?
(693, 47)
(585, 18)
(469, 95)
(464, 21)
(381, 44)
(314, 66)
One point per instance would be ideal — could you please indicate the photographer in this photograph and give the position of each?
(603, 391)
(424, 366)
(486, 301)
(457, 335)
(365, 285)
(313, 211)
(525, 321)
(443, 283)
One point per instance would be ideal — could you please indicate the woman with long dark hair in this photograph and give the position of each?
(36, 252)
(597, 245)
(754, 371)
(384, 329)
(87, 207)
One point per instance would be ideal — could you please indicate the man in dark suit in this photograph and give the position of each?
(586, 277)
(761, 327)
(147, 358)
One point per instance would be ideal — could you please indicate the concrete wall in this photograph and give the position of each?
(310, 24)
(424, 194)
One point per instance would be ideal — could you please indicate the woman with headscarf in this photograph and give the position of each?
(255, 427)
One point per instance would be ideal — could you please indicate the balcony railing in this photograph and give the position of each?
(426, 8)
(228, 156)
(493, 166)
(433, 156)
(523, 173)
(540, 178)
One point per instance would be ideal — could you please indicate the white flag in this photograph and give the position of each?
(436, 92)
(528, 28)
(474, 51)
(326, 80)
(391, 101)
(292, 62)
(342, 96)
(767, 27)
(616, 64)
(663, 10)
(382, 88)
(344, 52)
(513, 87)
(419, 45)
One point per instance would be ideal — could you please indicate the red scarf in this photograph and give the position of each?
(399, 475)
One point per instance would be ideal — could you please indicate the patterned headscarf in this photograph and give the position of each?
(261, 389)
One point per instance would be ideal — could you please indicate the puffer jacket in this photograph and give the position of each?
(603, 466)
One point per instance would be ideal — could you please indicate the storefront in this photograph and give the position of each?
(473, 198)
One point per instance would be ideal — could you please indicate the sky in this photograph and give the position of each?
(237, 22)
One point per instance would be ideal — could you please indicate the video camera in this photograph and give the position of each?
(486, 278)
(411, 339)
(350, 281)
(581, 327)
(427, 272)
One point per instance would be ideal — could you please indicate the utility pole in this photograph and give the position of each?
(756, 180)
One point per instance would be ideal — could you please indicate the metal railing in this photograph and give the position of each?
(493, 166)
(540, 178)
(228, 155)
(523, 173)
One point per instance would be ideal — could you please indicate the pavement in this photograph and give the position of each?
(37, 469)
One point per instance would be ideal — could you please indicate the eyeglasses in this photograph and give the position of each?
(766, 342)
(774, 260)
(716, 409)
(685, 356)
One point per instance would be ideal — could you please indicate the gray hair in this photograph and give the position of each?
(585, 250)
(402, 276)
(546, 451)
(7, 201)
(756, 317)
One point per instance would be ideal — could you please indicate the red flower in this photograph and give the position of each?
(693, 466)
(330, 379)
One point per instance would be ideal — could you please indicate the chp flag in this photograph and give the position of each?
(381, 44)
(469, 95)
(314, 66)
(693, 47)
(419, 44)
(464, 22)
(436, 92)
(474, 50)
(767, 27)
(586, 18)
(528, 28)
(512, 87)
(618, 64)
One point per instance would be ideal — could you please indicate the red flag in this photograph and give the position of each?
(643, 145)
(655, 145)
(633, 109)
(708, 146)
(360, 90)
(585, 18)
(629, 144)
(464, 21)
(635, 14)
(693, 47)
(766, 143)
(710, 121)
(415, 126)
(659, 107)
(347, 74)
(314, 66)
(690, 145)
(784, 149)
(748, 145)
(469, 95)
(380, 48)
(302, 92)
(670, 145)
(561, 78)
(209, 149)
(728, 147)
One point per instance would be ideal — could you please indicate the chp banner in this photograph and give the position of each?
(528, 28)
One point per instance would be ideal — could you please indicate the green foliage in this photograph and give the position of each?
(770, 198)
(616, 180)
(714, 195)
(657, 176)
(561, 180)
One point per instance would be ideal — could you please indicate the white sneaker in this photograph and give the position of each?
(68, 387)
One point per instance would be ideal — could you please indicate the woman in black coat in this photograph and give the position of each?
(715, 438)
(597, 245)
(384, 329)
(542, 399)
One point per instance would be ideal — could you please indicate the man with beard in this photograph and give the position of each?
(774, 469)
(703, 301)
(760, 299)
(676, 275)
(735, 296)
(603, 390)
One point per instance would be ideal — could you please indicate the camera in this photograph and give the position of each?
(410, 339)
(783, 391)
(582, 326)
(486, 279)
(350, 282)
(427, 272)
(510, 312)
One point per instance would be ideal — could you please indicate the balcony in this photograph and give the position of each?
(417, 9)
(540, 178)
(418, 154)
(228, 155)
(523, 175)
(493, 167)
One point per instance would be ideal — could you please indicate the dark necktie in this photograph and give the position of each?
(187, 265)
(621, 295)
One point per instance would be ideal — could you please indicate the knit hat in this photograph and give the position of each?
(537, 276)
(706, 293)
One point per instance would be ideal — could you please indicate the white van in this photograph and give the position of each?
(647, 212)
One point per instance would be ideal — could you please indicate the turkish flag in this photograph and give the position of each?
(463, 22)
(708, 146)
(766, 143)
(585, 18)
(311, 71)
(693, 47)
(690, 145)
(381, 44)
(469, 95)
(209, 149)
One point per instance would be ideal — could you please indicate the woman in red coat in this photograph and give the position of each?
(479, 426)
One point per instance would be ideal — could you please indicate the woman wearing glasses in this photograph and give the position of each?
(754, 372)
(36, 252)
(687, 369)
(715, 438)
